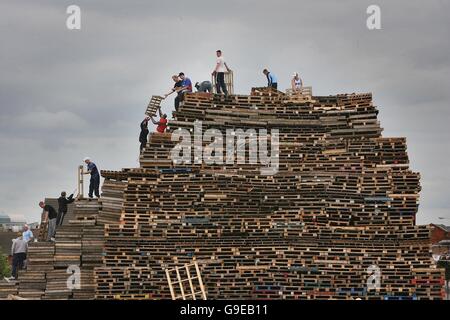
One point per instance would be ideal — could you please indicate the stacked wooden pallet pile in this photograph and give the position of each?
(78, 247)
(343, 200)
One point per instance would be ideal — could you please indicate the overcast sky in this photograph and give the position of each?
(66, 94)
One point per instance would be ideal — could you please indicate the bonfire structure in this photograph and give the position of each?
(336, 221)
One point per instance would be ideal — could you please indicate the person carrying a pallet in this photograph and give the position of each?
(272, 81)
(63, 201)
(178, 87)
(144, 133)
(49, 217)
(219, 73)
(94, 184)
(162, 123)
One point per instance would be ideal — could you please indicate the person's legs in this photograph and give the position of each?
(142, 145)
(51, 229)
(275, 85)
(21, 257)
(218, 83)
(177, 101)
(58, 218)
(97, 187)
(91, 187)
(221, 78)
(15, 263)
(61, 219)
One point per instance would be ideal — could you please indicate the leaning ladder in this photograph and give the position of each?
(193, 285)
(153, 105)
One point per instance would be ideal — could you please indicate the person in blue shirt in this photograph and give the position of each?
(272, 81)
(94, 184)
(186, 86)
(27, 234)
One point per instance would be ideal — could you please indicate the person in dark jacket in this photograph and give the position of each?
(62, 207)
(50, 216)
(144, 133)
(94, 185)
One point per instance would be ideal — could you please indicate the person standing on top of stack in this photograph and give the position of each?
(296, 82)
(162, 123)
(62, 207)
(50, 216)
(94, 184)
(176, 88)
(219, 73)
(272, 81)
(144, 133)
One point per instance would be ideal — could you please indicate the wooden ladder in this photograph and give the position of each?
(153, 105)
(196, 287)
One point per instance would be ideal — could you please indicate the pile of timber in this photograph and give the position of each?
(344, 200)
(78, 247)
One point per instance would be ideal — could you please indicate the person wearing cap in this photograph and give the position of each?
(219, 73)
(63, 201)
(94, 184)
(204, 86)
(27, 234)
(50, 216)
(272, 81)
(162, 123)
(144, 133)
(296, 82)
(19, 251)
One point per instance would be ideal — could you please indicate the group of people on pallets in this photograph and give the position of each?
(183, 85)
(51, 219)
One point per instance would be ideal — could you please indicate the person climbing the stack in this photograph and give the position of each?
(162, 123)
(296, 82)
(144, 133)
(204, 86)
(50, 216)
(19, 251)
(177, 87)
(63, 201)
(219, 73)
(27, 234)
(272, 81)
(94, 184)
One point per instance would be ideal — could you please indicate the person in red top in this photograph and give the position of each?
(162, 123)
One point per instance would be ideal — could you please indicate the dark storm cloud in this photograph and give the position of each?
(67, 94)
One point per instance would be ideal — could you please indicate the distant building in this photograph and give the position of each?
(6, 224)
(439, 232)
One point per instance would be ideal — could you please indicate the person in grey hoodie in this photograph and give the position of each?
(19, 251)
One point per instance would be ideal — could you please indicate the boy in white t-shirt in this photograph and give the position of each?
(219, 73)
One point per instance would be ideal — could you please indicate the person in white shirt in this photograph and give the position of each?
(27, 233)
(219, 73)
(296, 82)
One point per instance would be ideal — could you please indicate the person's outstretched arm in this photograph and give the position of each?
(154, 121)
